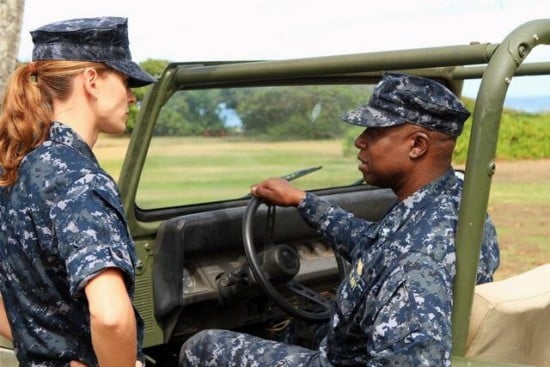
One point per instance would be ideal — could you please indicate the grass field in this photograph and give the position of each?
(519, 202)
(520, 207)
(198, 170)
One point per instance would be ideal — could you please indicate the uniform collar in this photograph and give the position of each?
(425, 194)
(65, 135)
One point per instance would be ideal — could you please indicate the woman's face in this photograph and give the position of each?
(113, 103)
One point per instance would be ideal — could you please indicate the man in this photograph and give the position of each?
(395, 306)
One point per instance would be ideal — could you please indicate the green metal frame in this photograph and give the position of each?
(480, 165)
(495, 64)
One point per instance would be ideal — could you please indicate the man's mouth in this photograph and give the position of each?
(362, 164)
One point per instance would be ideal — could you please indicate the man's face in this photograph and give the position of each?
(384, 154)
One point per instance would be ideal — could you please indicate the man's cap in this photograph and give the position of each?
(103, 39)
(401, 98)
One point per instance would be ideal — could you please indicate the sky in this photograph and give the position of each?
(206, 30)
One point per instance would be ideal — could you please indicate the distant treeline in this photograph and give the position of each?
(310, 113)
(522, 135)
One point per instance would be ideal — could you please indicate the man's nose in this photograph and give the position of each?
(360, 142)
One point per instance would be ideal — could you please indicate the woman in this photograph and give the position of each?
(66, 257)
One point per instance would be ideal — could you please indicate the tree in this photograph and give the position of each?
(309, 112)
(11, 17)
(153, 67)
(193, 113)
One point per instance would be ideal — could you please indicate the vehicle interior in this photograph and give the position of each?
(212, 256)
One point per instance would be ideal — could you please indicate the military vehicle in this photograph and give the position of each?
(211, 256)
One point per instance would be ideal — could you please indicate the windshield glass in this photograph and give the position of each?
(211, 145)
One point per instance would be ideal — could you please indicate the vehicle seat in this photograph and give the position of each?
(510, 320)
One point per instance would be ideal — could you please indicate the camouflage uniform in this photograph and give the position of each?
(61, 224)
(394, 308)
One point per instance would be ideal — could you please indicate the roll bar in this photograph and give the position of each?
(480, 164)
(495, 64)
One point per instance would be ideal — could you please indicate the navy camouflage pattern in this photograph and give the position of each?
(61, 224)
(211, 348)
(103, 39)
(394, 308)
(401, 98)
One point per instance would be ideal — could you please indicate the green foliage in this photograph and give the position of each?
(192, 113)
(276, 113)
(526, 135)
(155, 68)
(301, 113)
(461, 148)
(522, 135)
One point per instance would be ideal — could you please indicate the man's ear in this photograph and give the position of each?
(419, 144)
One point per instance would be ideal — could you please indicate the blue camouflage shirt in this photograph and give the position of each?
(394, 308)
(61, 224)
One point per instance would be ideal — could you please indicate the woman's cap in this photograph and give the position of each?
(103, 39)
(401, 98)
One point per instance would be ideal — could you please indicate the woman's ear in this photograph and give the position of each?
(419, 144)
(89, 79)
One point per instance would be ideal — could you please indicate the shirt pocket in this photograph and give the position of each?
(397, 321)
(351, 295)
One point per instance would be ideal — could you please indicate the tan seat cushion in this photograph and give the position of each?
(510, 319)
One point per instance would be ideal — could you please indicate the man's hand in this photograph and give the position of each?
(278, 191)
(77, 364)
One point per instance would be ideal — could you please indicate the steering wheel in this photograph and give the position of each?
(265, 283)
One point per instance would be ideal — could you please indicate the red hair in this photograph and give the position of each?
(26, 111)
